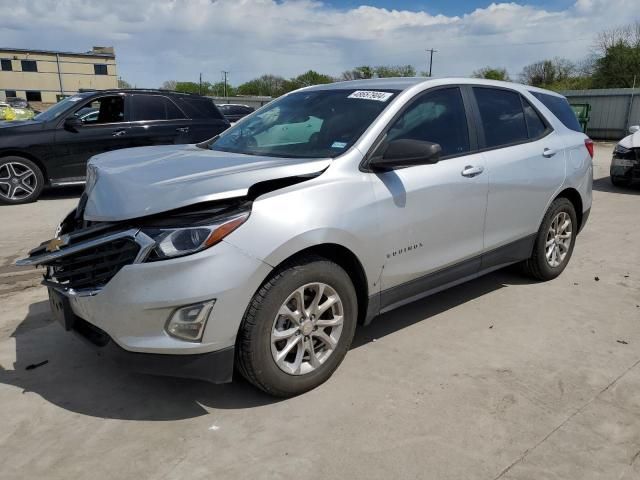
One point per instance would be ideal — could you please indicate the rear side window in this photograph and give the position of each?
(198, 107)
(560, 107)
(437, 117)
(502, 116)
(535, 125)
(154, 107)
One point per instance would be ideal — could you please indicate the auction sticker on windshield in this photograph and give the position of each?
(371, 95)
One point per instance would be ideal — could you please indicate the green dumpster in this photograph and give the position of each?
(582, 113)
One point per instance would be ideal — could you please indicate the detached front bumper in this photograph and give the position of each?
(127, 318)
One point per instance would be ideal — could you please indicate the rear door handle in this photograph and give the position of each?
(119, 133)
(471, 171)
(548, 152)
(182, 129)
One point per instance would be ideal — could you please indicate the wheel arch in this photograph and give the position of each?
(346, 259)
(28, 156)
(574, 197)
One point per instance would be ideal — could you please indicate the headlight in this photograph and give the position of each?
(177, 242)
(621, 150)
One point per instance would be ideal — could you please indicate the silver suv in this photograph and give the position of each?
(262, 248)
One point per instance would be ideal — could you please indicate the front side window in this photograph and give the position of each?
(29, 66)
(316, 124)
(103, 110)
(436, 117)
(502, 116)
(5, 65)
(154, 107)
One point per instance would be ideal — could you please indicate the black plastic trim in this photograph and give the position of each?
(461, 272)
(214, 367)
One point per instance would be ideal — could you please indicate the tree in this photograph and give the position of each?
(385, 71)
(123, 83)
(268, 85)
(169, 85)
(492, 73)
(618, 68)
(311, 77)
(548, 72)
(358, 73)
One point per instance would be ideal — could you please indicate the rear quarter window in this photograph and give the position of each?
(560, 107)
(199, 107)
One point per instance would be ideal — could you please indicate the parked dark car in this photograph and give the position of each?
(234, 112)
(53, 148)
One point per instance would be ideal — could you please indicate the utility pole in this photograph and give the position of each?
(224, 74)
(431, 52)
(200, 87)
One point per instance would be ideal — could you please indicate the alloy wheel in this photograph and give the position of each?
(307, 328)
(558, 239)
(17, 181)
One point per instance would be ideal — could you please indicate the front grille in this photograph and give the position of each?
(95, 266)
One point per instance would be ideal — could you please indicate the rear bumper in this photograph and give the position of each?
(214, 367)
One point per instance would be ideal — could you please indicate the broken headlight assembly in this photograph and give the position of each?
(178, 242)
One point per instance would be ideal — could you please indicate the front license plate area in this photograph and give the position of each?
(61, 309)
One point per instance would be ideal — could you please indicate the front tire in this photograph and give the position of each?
(21, 181)
(298, 327)
(555, 241)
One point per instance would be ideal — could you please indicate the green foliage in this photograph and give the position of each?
(492, 73)
(122, 83)
(386, 71)
(207, 88)
(617, 68)
(548, 72)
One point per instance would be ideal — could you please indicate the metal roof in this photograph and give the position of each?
(54, 52)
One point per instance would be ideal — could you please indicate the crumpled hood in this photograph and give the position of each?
(631, 141)
(144, 181)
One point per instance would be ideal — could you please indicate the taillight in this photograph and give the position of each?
(589, 144)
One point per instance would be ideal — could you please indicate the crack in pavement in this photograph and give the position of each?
(526, 453)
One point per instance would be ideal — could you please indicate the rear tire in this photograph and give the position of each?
(21, 181)
(285, 352)
(555, 241)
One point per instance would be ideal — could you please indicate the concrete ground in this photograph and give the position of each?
(498, 378)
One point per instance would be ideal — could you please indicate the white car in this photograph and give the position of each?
(625, 164)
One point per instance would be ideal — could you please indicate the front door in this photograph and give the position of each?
(104, 128)
(431, 216)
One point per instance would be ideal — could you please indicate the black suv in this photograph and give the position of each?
(53, 148)
(234, 112)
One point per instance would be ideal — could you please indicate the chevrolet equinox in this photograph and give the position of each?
(262, 248)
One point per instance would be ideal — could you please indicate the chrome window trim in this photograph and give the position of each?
(146, 245)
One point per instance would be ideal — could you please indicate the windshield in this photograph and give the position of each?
(317, 124)
(58, 109)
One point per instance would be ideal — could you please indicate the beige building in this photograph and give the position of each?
(43, 76)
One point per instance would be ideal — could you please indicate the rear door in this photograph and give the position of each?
(106, 131)
(206, 121)
(156, 120)
(526, 166)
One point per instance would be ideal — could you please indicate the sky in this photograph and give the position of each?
(158, 40)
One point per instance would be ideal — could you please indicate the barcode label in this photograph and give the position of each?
(371, 95)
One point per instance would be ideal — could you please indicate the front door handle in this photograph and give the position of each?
(182, 129)
(471, 171)
(119, 133)
(548, 152)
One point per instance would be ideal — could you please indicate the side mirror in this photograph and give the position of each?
(72, 124)
(634, 128)
(406, 153)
